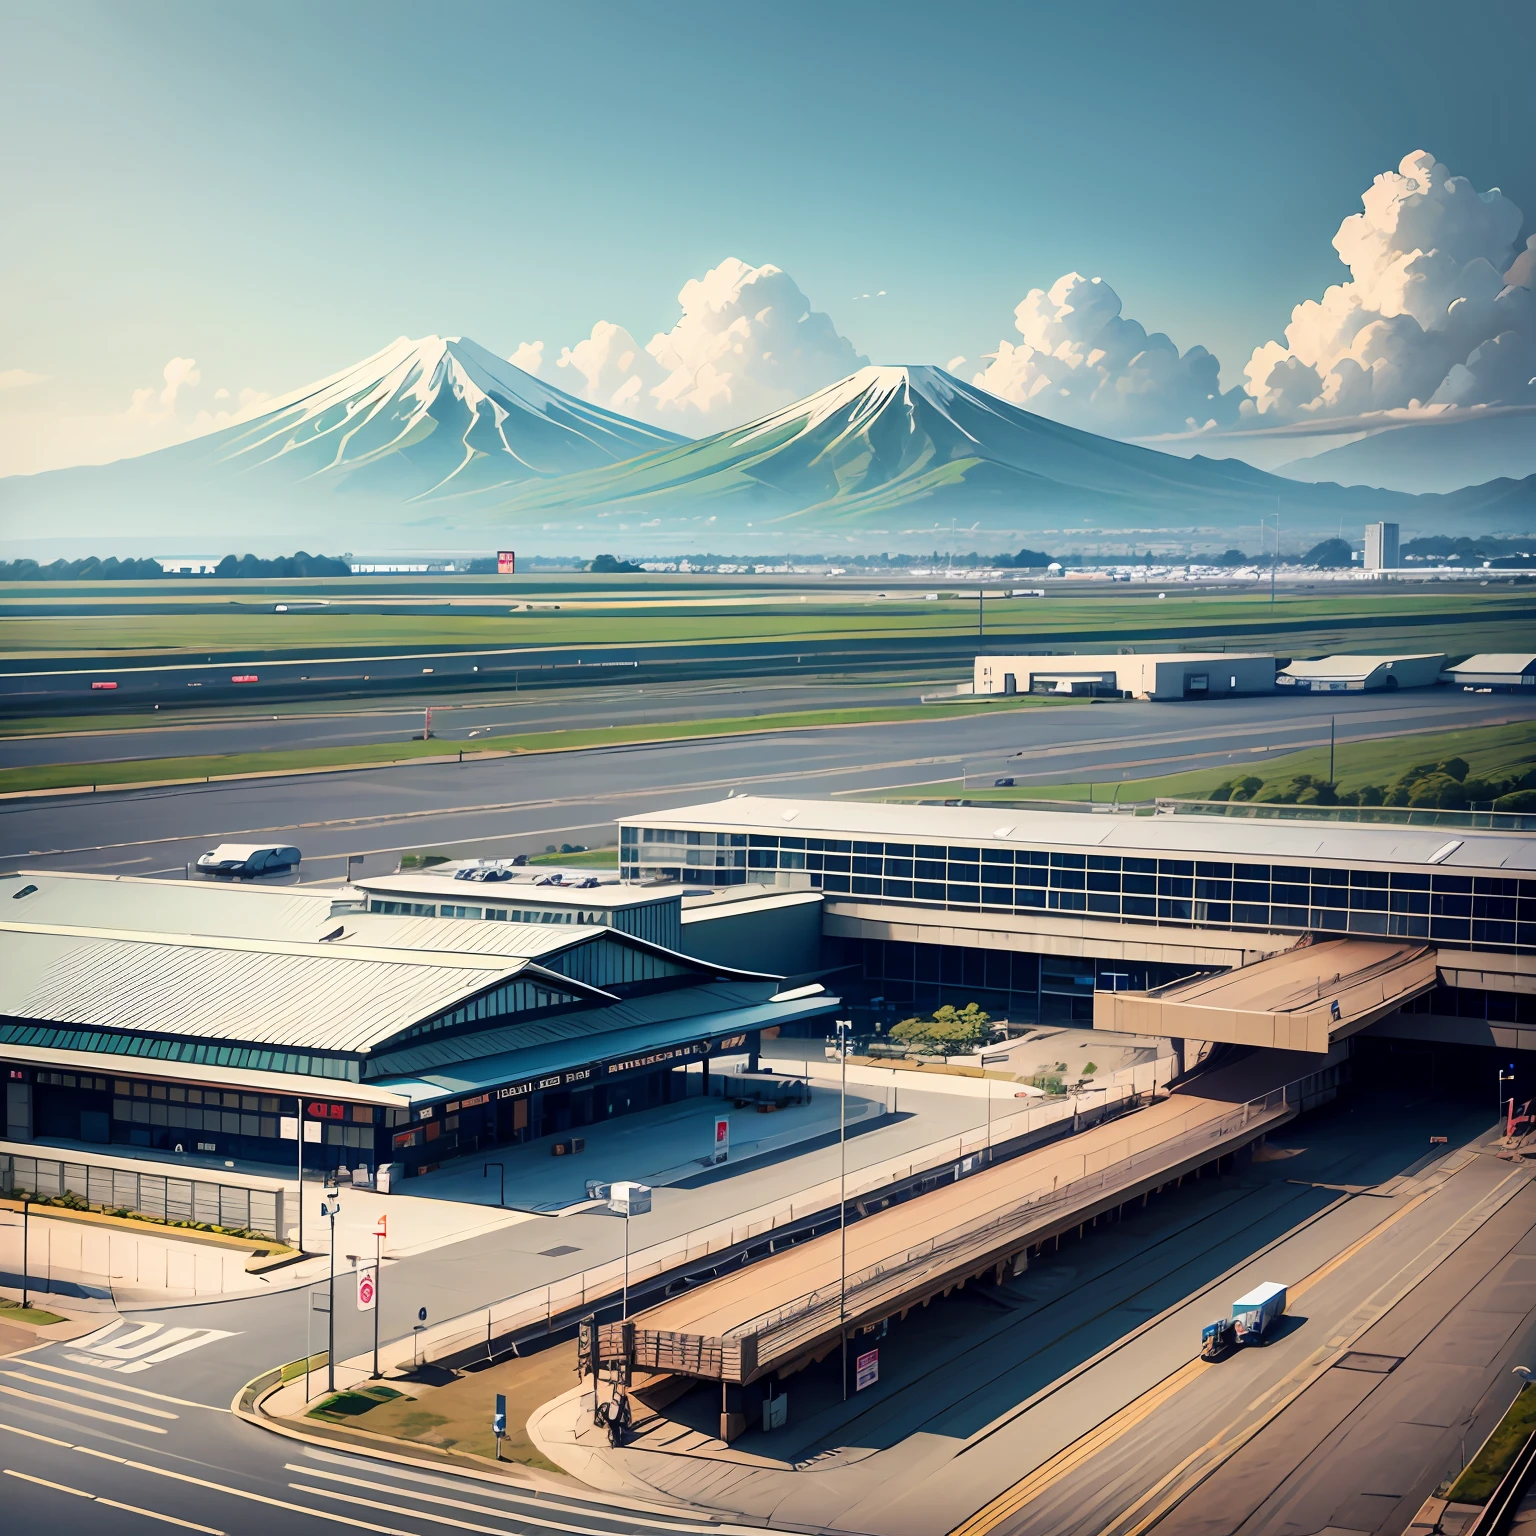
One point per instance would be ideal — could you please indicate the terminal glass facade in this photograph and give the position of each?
(1479, 912)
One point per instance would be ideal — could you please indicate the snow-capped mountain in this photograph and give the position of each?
(907, 446)
(419, 426)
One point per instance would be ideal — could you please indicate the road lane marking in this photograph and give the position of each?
(1011, 1500)
(144, 1345)
(133, 1509)
(27, 1477)
(241, 1493)
(95, 1413)
(416, 1514)
(122, 1386)
(115, 1402)
(438, 1498)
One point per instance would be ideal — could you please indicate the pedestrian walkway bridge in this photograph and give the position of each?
(785, 1312)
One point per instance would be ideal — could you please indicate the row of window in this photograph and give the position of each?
(252, 1058)
(487, 914)
(511, 997)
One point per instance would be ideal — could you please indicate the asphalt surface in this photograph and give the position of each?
(511, 805)
(459, 719)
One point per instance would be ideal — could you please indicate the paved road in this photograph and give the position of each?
(457, 718)
(510, 805)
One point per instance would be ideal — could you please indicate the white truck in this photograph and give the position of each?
(1253, 1320)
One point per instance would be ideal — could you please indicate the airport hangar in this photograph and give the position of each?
(1058, 917)
(209, 1019)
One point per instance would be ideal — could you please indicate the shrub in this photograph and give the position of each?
(950, 1029)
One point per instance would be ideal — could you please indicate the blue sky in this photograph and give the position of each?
(277, 190)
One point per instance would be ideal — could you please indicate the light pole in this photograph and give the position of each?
(844, 1029)
(26, 1210)
(378, 1270)
(1504, 1077)
(331, 1205)
(995, 1059)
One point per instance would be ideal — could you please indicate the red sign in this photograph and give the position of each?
(506, 562)
(866, 1370)
(103, 685)
(243, 677)
(367, 1290)
(319, 1111)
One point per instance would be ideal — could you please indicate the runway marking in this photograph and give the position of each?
(95, 1413)
(133, 1509)
(1012, 1499)
(116, 1402)
(122, 1386)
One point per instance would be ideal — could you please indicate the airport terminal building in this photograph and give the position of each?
(214, 1020)
(1035, 914)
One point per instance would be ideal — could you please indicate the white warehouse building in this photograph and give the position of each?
(1166, 675)
(1361, 674)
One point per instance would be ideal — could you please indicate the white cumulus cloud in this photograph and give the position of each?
(1082, 362)
(1434, 312)
(747, 342)
(19, 378)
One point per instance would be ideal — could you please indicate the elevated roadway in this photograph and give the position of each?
(795, 1308)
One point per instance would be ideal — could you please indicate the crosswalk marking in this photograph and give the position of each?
(115, 1402)
(437, 1498)
(33, 1364)
(95, 1413)
(133, 1509)
(144, 1345)
(394, 1509)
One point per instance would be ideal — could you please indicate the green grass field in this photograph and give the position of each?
(164, 769)
(1492, 751)
(1297, 623)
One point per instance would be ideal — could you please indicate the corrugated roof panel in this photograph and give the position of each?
(302, 996)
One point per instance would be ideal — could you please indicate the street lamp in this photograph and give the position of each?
(1504, 1077)
(378, 1269)
(26, 1209)
(329, 1207)
(844, 1030)
(997, 1058)
(628, 1199)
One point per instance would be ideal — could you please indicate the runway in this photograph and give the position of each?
(522, 804)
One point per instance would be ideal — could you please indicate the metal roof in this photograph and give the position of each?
(429, 884)
(1495, 661)
(1352, 666)
(243, 910)
(583, 1024)
(487, 1071)
(320, 997)
(1194, 836)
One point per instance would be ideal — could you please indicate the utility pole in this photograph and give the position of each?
(26, 1233)
(1333, 721)
(378, 1270)
(844, 1029)
(331, 1206)
(981, 598)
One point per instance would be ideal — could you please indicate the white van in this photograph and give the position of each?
(244, 861)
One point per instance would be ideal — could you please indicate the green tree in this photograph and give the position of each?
(950, 1029)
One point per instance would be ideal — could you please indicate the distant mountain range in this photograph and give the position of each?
(1435, 453)
(441, 444)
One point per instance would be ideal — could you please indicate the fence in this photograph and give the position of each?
(1388, 815)
(476, 1334)
(989, 1233)
(149, 1194)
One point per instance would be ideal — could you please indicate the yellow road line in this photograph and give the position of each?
(116, 1402)
(116, 1385)
(133, 1509)
(95, 1413)
(1067, 1460)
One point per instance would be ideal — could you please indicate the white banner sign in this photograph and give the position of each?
(367, 1289)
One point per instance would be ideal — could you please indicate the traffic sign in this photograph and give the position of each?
(499, 1419)
(866, 1370)
(367, 1289)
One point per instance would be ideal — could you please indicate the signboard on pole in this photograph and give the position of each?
(506, 562)
(499, 1418)
(722, 1139)
(367, 1289)
(866, 1370)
